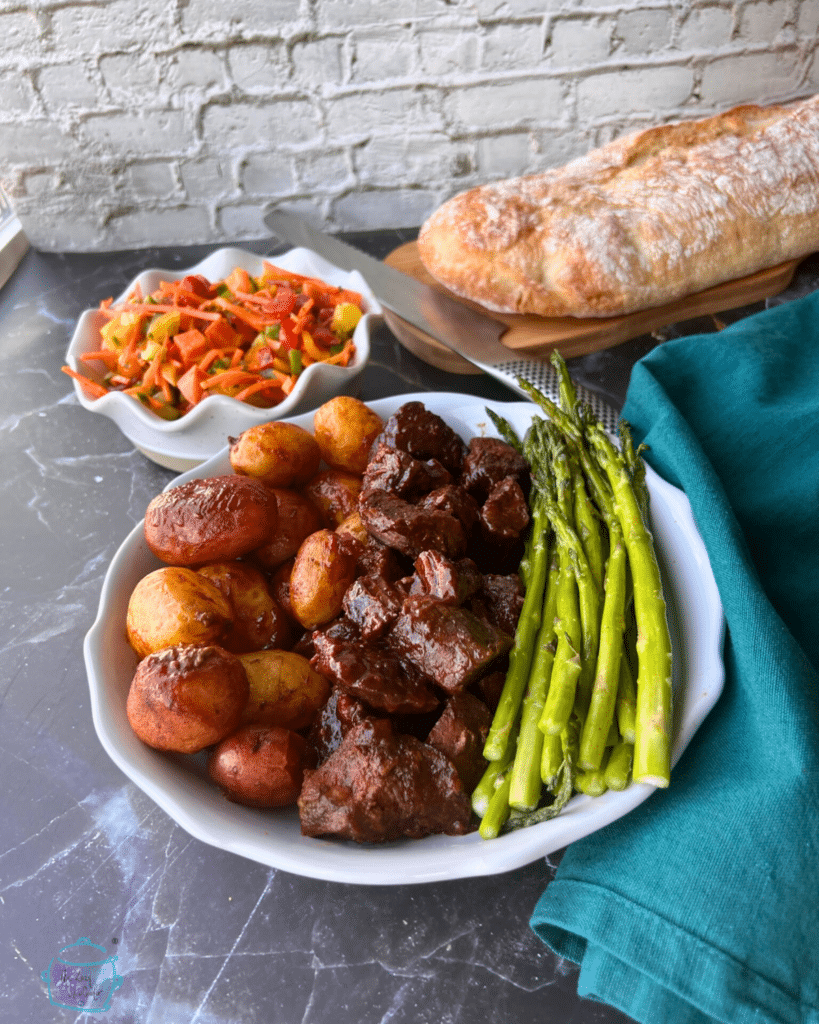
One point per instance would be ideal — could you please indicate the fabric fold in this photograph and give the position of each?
(702, 904)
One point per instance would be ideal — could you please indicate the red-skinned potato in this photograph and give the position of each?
(298, 518)
(285, 689)
(259, 766)
(258, 620)
(345, 429)
(323, 570)
(220, 517)
(175, 605)
(278, 453)
(187, 697)
(335, 494)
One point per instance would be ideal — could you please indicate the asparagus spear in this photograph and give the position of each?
(618, 767)
(652, 744)
(600, 715)
(526, 783)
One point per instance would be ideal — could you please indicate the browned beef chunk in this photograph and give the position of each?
(442, 578)
(373, 674)
(455, 500)
(489, 688)
(505, 513)
(401, 474)
(449, 645)
(419, 432)
(339, 714)
(488, 461)
(460, 733)
(376, 559)
(379, 786)
(373, 604)
(500, 601)
(409, 529)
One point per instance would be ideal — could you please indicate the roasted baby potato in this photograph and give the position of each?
(285, 689)
(353, 527)
(221, 517)
(334, 493)
(175, 605)
(280, 586)
(257, 620)
(323, 570)
(187, 697)
(297, 518)
(345, 429)
(280, 454)
(259, 766)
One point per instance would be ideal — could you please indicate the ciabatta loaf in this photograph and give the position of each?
(644, 220)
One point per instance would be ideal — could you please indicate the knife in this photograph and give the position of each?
(471, 334)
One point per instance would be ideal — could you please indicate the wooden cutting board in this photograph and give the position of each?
(572, 336)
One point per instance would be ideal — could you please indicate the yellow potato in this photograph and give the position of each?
(175, 605)
(258, 621)
(279, 454)
(353, 527)
(285, 689)
(345, 429)
(323, 570)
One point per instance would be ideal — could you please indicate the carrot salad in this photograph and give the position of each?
(246, 337)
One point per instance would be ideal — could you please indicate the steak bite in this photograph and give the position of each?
(488, 461)
(456, 501)
(379, 786)
(335, 719)
(505, 513)
(442, 578)
(416, 430)
(500, 601)
(401, 474)
(449, 645)
(460, 733)
(373, 604)
(410, 529)
(372, 673)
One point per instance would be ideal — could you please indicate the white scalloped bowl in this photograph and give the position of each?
(180, 785)
(186, 443)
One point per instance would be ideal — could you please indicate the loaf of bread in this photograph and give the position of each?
(646, 219)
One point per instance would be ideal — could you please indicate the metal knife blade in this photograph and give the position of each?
(473, 335)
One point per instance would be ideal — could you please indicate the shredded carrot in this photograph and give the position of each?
(150, 308)
(94, 390)
(229, 379)
(243, 323)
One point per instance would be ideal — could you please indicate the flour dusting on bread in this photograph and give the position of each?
(649, 218)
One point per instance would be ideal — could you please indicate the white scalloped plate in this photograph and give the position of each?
(185, 443)
(181, 788)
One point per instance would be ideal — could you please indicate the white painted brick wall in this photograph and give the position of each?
(138, 122)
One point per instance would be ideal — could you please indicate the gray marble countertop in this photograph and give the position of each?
(202, 935)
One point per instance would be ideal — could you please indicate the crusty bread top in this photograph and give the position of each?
(646, 219)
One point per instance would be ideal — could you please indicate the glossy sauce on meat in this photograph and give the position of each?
(416, 661)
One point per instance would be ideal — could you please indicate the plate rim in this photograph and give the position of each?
(391, 864)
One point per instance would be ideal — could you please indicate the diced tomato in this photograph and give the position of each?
(221, 335)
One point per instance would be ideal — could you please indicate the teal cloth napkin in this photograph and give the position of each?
(702, 905)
